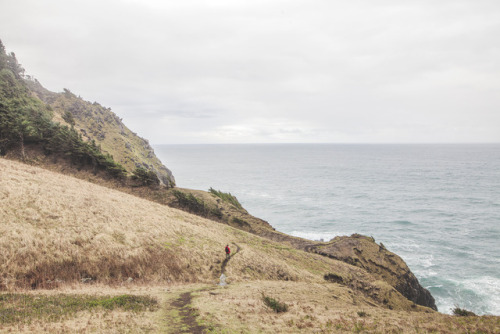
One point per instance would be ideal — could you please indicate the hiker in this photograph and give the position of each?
(228, 252)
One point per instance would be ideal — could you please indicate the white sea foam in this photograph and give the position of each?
(488, 289)
(316, 236)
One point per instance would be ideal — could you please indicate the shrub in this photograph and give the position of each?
(196, 205)
(227, 197)
(362, 314)
(68, 117)
(241, 223)
(145, 177)
(330, 277)
(462, 312)
(274, 304)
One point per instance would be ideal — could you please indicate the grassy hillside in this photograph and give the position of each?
(68, 134)
(55, 229)
(56, 234)
(100, 124)
(65, 126)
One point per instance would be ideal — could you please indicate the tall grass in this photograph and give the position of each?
(150, 264)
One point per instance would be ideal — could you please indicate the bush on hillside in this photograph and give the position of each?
(145, 177)
(274, 304)
(331, 277)
(196, 205)
(227, 197)
(462, 312)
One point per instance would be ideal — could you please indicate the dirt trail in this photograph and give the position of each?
(226, 261)
(185, 319)
(181, 317)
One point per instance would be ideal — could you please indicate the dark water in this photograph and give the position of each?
(437, 206)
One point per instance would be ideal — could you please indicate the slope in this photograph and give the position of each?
(64, 234)
(64, 125)
(55, 230)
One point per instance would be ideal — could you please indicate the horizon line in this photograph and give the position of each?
(339, 143)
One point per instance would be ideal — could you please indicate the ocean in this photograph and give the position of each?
(437, 206)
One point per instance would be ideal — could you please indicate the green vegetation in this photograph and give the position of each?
(24, 308)
(89, 134)
(274, 304)
(145, 177)
(243, 224)
(462, 312)
(68, 117)
(24, 119)
(196, 205)
(227, 197)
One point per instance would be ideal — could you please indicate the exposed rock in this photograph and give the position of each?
(363, 252)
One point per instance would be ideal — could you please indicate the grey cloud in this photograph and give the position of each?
(350, 71)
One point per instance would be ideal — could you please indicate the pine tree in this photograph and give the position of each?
(3, 56)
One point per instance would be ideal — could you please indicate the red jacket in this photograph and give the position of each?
(228, 250)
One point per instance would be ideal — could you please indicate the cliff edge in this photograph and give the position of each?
(100, 124)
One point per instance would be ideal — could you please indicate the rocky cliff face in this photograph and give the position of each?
(363, 252)
(100, 124)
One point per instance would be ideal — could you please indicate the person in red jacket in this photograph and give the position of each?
(228, 252)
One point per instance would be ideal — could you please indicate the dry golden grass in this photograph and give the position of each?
(92, 322)
(71, 236)
(101, 320)
(321, 308)
(60, 230)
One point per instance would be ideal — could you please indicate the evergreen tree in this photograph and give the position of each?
(3, 56)
(14, 66)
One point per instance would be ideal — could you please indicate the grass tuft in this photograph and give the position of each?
(362, 314)
(274, 304)
(462, 312)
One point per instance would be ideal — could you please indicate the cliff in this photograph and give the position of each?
(100, 124)
(64, 125)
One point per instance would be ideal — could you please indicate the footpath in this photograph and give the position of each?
(180, 317)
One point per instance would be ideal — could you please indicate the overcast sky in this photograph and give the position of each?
(257, 71)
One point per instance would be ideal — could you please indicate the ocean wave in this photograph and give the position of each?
(488, 289)
(317, 236)
(480, 295)
(403, 222)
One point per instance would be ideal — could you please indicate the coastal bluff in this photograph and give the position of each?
(357, 250)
